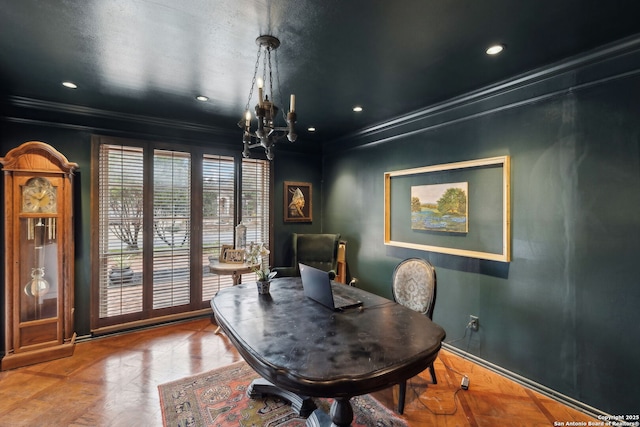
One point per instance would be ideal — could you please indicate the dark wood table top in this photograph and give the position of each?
(304, 347)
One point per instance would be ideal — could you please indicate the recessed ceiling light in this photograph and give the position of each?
(202, 98)
(70, 85)
(311, 129)
(357, 108)
(495, 49)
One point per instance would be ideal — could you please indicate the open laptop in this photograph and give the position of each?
(317, 286)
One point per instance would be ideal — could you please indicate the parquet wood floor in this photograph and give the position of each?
(113, 381)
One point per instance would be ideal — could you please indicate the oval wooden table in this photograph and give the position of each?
(304, 349)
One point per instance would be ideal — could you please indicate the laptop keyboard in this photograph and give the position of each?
(340, 301)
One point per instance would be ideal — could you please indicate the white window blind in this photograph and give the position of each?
(256, 196)
(171, 228)
(120, 230)
(218, 217)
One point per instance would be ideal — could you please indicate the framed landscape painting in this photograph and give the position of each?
(460, 208)
(440, 207)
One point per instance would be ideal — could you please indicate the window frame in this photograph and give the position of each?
(196, 306)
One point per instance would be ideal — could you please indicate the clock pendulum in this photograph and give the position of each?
(38, 286)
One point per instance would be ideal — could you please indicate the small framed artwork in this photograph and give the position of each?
(223, 251)
(234, 256)
(297, 202)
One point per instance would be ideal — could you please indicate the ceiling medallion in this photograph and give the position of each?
(267, 133)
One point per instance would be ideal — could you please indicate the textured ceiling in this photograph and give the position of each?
(152, 57)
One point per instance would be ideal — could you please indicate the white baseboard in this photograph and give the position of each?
(546, 391)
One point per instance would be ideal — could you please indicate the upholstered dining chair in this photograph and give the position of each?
(316, 250)
(414, 286)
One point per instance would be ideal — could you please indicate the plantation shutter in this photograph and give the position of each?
(171, 228)
(121, 190)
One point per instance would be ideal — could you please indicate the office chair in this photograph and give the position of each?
(316, 250)
(414, 286)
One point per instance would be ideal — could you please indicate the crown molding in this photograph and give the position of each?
(42, 111)
(601, 65)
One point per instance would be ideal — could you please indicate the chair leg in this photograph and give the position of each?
(401, 394)
(433, 374)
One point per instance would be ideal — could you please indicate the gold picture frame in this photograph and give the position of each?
(492, 195)
(298, 202)
(223, 250)
(234, 256)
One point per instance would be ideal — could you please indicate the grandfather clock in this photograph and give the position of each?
(38, 306)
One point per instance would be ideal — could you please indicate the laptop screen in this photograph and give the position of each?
(316, 285)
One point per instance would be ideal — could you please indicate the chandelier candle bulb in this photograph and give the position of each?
(260, 84)
(292, 103)
(247, 121)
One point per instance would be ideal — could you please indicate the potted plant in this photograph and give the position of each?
(264, 278)
(255, 254)
(121, 273)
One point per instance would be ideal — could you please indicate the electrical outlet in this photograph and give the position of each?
(474, 322)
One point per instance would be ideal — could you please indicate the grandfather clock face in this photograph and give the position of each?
(38, 195)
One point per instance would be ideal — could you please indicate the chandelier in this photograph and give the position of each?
(267, 133)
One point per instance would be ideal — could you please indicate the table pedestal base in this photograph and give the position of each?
(303, 405)
(341, 412)
(341, 415)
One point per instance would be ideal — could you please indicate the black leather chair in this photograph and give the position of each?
(414, 286)
(316, 250)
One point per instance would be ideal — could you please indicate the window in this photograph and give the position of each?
(218, 216)
(255, 200)
(161, 214)
(120, 230)
(171, 228)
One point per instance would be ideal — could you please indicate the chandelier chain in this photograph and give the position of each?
(255, 75)
(273, 100)
(284, 115)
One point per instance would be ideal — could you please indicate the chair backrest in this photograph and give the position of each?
(317, 250)
(414, 285)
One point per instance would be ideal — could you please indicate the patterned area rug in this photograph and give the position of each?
(219, 398)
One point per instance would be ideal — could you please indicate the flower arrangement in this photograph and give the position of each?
(264, 274)
(255, 256)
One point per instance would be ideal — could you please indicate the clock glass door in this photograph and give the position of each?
(39, 296)
(39, 269)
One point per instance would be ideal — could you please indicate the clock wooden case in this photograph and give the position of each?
(39, 251)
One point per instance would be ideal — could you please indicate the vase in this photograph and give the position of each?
(263, 286)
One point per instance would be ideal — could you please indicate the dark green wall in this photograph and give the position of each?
(562, 312)
(298, 167)
(73, 139)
